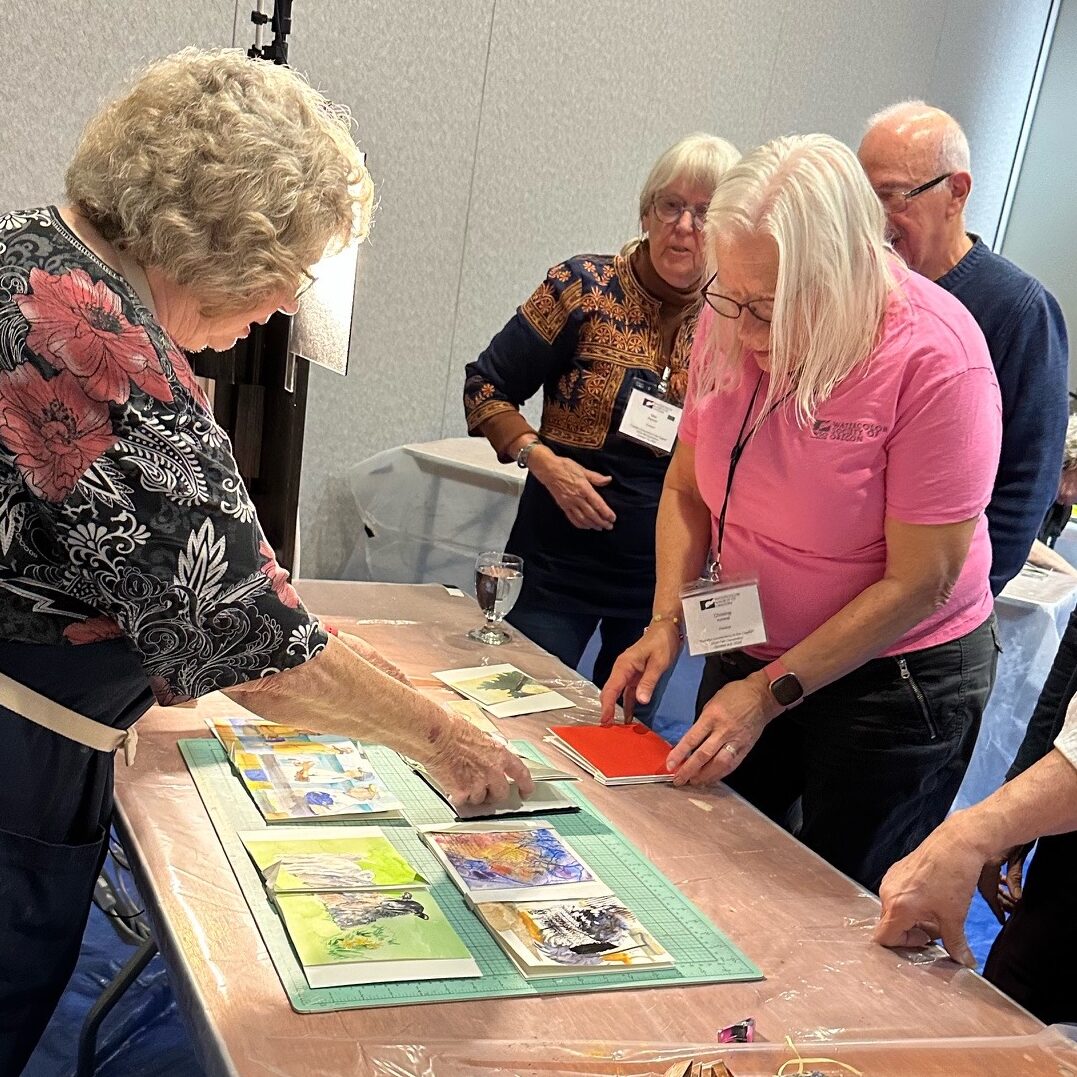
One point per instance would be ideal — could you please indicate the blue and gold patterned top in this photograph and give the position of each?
(595, 325)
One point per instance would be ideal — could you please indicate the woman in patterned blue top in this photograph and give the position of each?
(132, 565)
(598, 327)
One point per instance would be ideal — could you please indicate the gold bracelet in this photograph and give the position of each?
(671, 618)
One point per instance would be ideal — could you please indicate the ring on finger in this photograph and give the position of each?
(731, 748)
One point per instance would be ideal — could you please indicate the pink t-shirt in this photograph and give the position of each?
(913, 434)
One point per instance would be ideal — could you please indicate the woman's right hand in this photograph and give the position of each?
(637, 670)
(572, 486)
(471, 766)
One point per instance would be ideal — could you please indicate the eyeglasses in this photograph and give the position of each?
(670, 210)
(306, 285)
(899, 199)
(760, 309)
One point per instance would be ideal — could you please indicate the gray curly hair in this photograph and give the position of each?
(231, 176)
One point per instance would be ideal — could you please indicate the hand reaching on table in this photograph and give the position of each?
(927, 895)
(724, 733)
(472, 766)
(638, 670)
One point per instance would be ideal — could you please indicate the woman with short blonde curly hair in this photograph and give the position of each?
(239, 193)
(132, 564)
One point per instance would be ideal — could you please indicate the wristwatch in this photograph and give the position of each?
(525, 453)
(785, 687)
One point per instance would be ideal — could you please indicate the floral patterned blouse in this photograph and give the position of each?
(122, 513)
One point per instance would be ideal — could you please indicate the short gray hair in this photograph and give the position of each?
(697, 158)
(953, 147)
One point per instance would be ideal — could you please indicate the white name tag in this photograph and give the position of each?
(652, 420)
(722, 616)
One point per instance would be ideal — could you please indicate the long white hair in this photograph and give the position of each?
(810, 195)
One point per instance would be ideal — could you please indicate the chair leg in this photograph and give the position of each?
(113, 992)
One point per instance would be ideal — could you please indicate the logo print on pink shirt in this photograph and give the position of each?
(855, 430)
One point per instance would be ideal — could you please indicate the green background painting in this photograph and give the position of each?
(318, 940)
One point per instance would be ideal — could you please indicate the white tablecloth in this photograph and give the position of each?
(428, 510)
(1032, 613)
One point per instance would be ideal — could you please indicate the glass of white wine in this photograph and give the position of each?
(499, 578)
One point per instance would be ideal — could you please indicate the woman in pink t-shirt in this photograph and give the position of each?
(839, 445)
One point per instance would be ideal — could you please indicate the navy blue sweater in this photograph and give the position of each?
(1026, 336)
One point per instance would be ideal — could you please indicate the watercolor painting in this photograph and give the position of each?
(371, 925)
(315, 862)
(500, 687)
(591, 933)
(310, 784)
(498, 860)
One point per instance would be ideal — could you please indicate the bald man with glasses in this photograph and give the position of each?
(917, 159)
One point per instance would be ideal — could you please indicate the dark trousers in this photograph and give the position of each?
(566, 634)
(55, 807)
(1035, 953)
(865, 768)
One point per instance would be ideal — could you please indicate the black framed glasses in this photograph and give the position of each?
(899, 199)
(669, 210)
(760, 309)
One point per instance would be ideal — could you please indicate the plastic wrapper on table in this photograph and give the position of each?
(1051, 1052)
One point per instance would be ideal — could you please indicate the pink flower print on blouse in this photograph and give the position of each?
(78, 323)
(92, 630)
(54, 429)
(278, 577)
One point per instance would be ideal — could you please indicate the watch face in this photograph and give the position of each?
(787, 689)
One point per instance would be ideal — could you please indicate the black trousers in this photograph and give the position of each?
(864, 769)
(1033, 957)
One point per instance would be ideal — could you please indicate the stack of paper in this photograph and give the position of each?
(540, 771)
(503, 690)
(545, 799)
(355, 910)
(615, 754)
(545, 907)
(295, 776)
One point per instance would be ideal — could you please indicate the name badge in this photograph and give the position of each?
(722, 616)
(651, 420)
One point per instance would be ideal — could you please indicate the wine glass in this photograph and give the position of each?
(499, 577)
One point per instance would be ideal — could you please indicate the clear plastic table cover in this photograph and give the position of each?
(807, 927)
(1051, 1051)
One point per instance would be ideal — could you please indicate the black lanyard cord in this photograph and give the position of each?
(734, 459)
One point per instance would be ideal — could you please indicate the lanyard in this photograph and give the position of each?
(734, 459)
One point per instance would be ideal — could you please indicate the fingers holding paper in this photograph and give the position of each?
(476, 769)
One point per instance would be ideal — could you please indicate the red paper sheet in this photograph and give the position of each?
(618, 751)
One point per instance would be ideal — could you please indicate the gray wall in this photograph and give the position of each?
(1041, 235)
(506, 135)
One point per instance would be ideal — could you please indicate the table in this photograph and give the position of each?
(805, 925)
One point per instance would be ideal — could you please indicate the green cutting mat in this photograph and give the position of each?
(703, 954)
